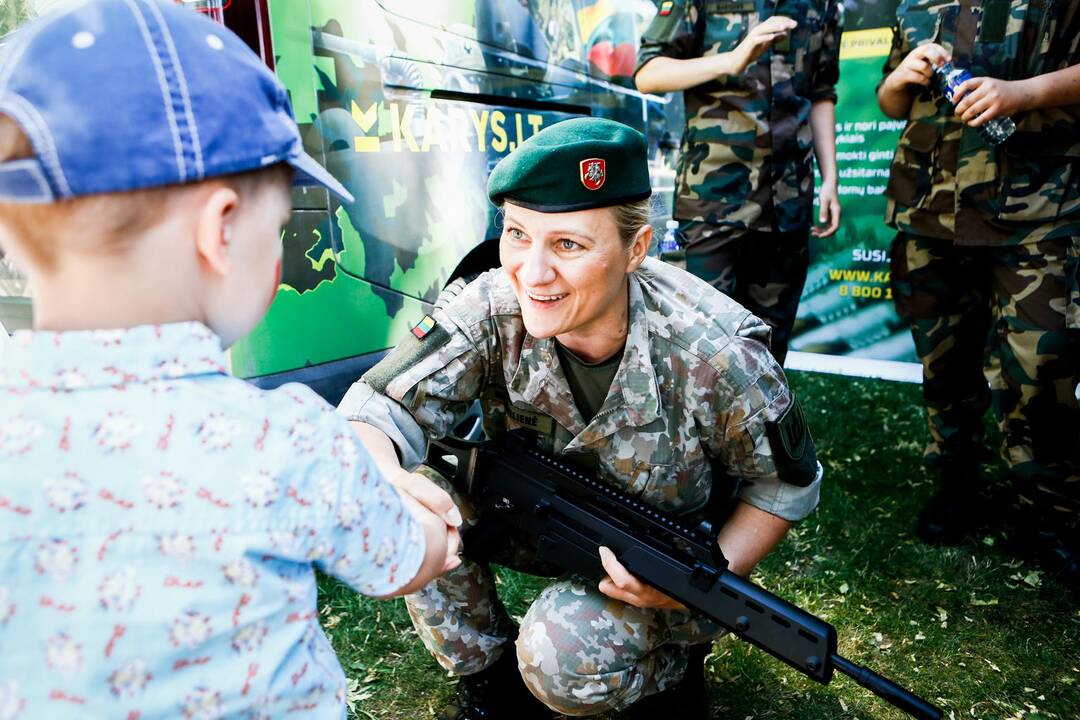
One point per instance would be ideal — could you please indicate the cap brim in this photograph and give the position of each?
(310, 172)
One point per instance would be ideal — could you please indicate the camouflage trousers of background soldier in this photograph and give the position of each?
(579, 651)
(1000, 326)
(763, 272)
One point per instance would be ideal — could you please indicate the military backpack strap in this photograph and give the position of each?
(792, 447)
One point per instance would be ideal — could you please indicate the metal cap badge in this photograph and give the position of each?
(593, 173)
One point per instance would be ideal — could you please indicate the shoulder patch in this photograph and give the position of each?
(412, 349)
(665, 24)
(425, 326)
(792, 447)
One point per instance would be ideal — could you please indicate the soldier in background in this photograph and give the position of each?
(984, 262)
(618, 362)
(759, 92)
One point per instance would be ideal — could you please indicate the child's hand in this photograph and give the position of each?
(917, 68)
(436, 500)
(760, 38)
(428, 494)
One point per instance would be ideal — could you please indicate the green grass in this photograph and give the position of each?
(970, 628)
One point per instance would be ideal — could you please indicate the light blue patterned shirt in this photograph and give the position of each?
(160, 523)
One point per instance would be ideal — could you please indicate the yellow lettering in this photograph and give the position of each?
(498, 142)
(366, 119)
(517, 124)
(459, 128)
(400, 127)
(536, 122)
(432, 129)
(480, 121)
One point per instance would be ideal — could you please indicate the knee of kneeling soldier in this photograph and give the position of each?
(565, 679)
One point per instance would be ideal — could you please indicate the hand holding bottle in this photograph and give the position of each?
(995, 129)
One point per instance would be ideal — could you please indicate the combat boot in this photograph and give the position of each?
(495, 693)
(1056, 551)
(686, 700)
(958, 508)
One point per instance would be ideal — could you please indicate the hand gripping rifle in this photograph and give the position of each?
(518, 488)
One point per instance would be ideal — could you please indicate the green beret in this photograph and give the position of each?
(574, 165)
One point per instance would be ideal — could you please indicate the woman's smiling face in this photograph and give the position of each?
(568, 270)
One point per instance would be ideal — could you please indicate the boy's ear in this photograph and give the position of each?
(213, 229)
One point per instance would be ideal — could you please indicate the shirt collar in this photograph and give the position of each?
(633, 399)
(78, 359)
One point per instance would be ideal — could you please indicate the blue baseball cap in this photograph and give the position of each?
(120, 95)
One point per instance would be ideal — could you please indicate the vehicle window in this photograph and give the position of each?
(600, 38)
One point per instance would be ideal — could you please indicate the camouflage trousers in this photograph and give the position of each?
(993, 327)
(579, 651)
(764, 272)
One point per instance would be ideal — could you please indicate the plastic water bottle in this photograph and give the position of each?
(670, 249)
(995, 131)
(670, 241)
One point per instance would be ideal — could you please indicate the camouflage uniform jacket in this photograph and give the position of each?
(946, 181)
(747, 151)
(696, 382)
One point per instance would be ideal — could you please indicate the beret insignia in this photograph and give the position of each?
(593, 173)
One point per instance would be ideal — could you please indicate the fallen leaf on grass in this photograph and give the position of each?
(993, 667)
(984, 603)
(844, 588)
(920, 636)
(1033, 579)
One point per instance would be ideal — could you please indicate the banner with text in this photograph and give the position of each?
(846, 322)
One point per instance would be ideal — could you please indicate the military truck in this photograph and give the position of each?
(410, 105)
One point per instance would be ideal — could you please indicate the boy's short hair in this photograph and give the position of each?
(111, 105)
(108, 221)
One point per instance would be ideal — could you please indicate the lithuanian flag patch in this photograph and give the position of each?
(665, 8)
(423, 327)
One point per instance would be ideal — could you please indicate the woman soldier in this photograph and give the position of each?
(642, 370)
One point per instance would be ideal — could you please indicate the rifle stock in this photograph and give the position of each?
(522, 489)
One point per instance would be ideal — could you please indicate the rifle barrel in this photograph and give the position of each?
(887, 690)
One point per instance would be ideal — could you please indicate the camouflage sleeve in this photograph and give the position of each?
(425, 385)
(672, 33)
(760, 433)
(896, 56)
(826, 71)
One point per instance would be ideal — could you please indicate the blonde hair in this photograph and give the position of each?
(105, 222)
(631, 217)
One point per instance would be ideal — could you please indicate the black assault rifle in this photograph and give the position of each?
(521, 489)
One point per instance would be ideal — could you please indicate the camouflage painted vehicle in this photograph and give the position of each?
(410, 105)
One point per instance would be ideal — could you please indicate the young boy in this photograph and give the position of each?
(160, 521)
